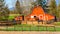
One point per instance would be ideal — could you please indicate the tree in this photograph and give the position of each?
(42, 3)
(1, 5)
(18, 8)
(1, 8)
(58, 9)
(4, 12)
(53, 8)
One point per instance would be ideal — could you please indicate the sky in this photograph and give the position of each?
(58, 2)
(11, 3)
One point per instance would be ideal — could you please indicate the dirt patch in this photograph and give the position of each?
(27, 32)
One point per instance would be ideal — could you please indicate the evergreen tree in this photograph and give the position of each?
(18, 8)
(58, 9)
(1, 8)
(53, 8)
(4, 11)
(42, 3)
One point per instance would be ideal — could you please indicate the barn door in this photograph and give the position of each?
(41, 17)
(23, 17)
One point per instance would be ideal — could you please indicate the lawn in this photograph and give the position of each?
(12, 16)
(26, 27)
(57, 23)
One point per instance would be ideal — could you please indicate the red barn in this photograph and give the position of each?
(39, 13)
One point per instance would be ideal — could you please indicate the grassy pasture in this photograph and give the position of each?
(25, 27)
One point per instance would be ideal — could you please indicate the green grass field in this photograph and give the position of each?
(12, 16)
(30, 28)
(57, 23)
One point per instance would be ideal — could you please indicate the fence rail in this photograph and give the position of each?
(29, 27)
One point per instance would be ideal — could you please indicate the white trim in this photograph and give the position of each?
(32, 16)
